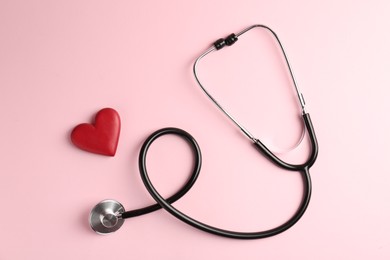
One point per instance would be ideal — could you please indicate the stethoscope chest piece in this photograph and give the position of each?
(105, 217)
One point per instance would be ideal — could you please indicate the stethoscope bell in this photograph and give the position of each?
(105, 217)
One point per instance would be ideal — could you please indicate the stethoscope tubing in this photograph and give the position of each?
(188, 184)
(167, 205)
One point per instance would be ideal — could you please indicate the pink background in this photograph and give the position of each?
(62, 61)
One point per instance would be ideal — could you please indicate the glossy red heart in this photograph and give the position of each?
(102, 136)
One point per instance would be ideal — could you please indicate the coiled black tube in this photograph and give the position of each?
(190, 182)
(166, 203)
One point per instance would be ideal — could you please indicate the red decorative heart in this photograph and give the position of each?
(102, 136)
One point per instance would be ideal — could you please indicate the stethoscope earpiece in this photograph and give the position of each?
(106, 216)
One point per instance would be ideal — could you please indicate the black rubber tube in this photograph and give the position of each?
(166, 204)
(190, 182)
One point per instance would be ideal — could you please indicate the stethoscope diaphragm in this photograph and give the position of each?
(105, 217)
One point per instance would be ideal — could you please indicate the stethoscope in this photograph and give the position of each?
(109, 215)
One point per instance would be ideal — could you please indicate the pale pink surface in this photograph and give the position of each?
(62, 61)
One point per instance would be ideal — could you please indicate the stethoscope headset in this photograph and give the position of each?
(109, 215)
